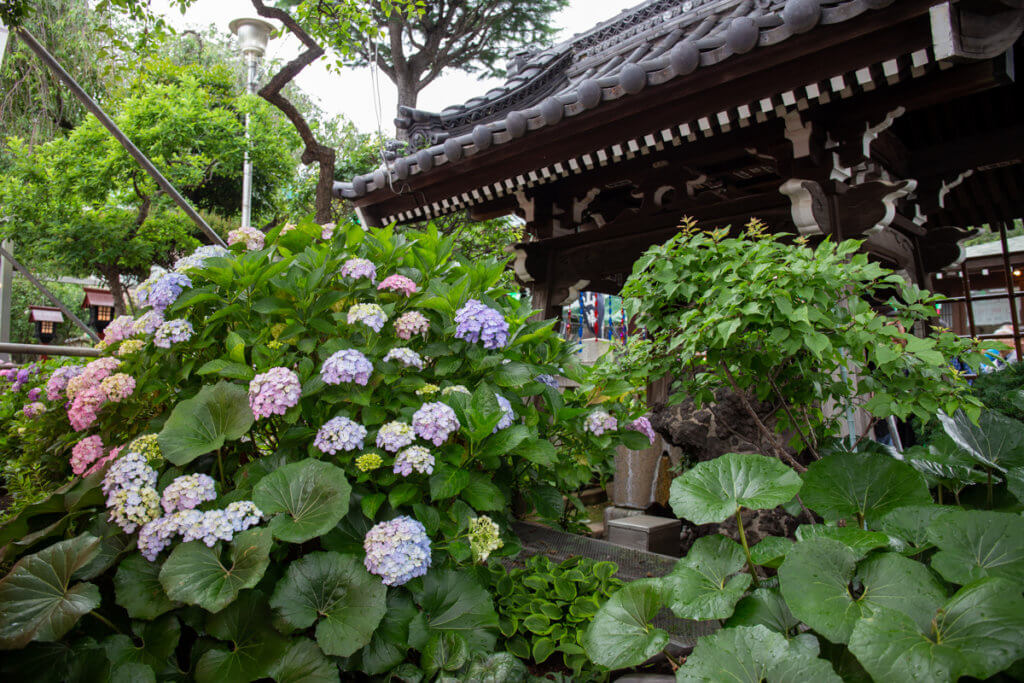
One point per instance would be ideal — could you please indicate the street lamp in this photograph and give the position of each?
(3, 40)
(253, 36)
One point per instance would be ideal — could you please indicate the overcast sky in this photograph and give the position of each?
(351, 92)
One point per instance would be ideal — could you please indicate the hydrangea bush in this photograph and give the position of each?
(293, 471)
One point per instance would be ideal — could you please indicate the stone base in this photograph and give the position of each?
(643, 532)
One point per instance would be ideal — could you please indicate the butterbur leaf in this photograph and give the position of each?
(752, 654)
(303, 500)
(390, 643)
(828, 590)
(337, 593)
(202, 424)
(910, 524)
(976, 633)
(856, 486)
(975, 544)
(621, 633)
(858, 539)
(705, 583)
(445, 651)
(196, 574)
(453, 601)
(304, 663)
(996, 441)
(133, 672)
(713, 490)
(137, 588)
(37, 600)
(255, 646)
(501, 667)
(766, 607)
(158, 641)
(770, 551)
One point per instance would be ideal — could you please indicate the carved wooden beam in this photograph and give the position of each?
(809, 206)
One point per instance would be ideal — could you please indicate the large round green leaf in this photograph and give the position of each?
(974, 544)
(996, 441)
(137, 588)
(453, 601)
(861, 486)
(153, 645)
(910, 524)
(764, 607)
(858, 539)
(827, 590)
(712, 491)
(306, 499)
(977, 633)
(204, 422)
(390, 643)
(37, 600)
(752, 654)
(705, 584)
(770, 551)
(255, 649)
(621, 633)
(304, 663)
(336, 589)
(196, 575)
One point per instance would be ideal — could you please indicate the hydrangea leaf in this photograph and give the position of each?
(752, 654)
(858, 539)
(337, 593)
(766, 607)
(304, 663)
(712, 491)
(137, 588)
(304, 499)
(202, 424)
(705, 584)
(770, 551)
(974, 544)
(37, 600)
(976, 633)
(454, 601)
(621, 633)
(861, 486)
(255, 646)
(826, 589)
(196, 574)
(158, 641)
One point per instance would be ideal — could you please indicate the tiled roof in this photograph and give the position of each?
(97, 297)
(995, 248)
(38, 314)
(651, 44)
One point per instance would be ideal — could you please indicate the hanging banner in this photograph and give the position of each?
(592, 311)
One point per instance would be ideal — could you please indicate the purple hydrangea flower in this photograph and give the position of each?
(411, 323)
(197, 259)
(476, 322)
(340, 434)
(164, 290)
(157, 534)
(119, 329)
(33, 410)
(347, 365)
(274, 392)
(243, 514)
(435, 422)
(148, 322)
(188, 492)
(547, 380)
(356, 268)
(172, 332)
(327, 231)
(406, 357)
(370, 315)
(599, 422)
(394, 436)
(58, 381)
(643, 425)
(33, 393)
(508, 415)
(414, 458)
(397, 550)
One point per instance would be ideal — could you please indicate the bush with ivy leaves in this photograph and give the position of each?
(289, 596)
(545, 608)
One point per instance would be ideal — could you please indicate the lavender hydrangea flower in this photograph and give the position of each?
(248, 235)
(129, 471)
(243, 514)
(187, 492)
(33, 410)
(476, 322)
(356, 268)
(132, 507)
(327, 231)
(156, 535)
(599, 422)
(173, 332)
(214, 526)
(414, 458)
(411, 323)
(340, 434)
(119, 329)
(58, 381)
(508, 415)
(547, 380)
(198, 258)
(406, 357)
(394, 436)
(347, 365)
(274, 392)
(164, 291)
(370, 315)
(397, 550)
(435, 422)
(148, 322)
(643, 425)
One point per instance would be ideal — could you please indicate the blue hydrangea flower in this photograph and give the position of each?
(347, 365)
(548, 380)
(370, 315)
(508, 415)
(197, 259)
(340, 434)
(162, 290)
(187, 492)
(476, 322)
(172, 332)
(435, 422)
(397, 550)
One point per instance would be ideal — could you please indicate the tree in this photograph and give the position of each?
(475, 36)
(79, 205)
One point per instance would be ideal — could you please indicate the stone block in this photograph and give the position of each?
(644, 532)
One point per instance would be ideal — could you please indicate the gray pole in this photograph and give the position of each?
(6, 284)
(250, 61)
(3, 40)
(43, 350)
(109, 124)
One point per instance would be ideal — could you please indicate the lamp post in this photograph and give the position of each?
(4, 32)
(253, 36)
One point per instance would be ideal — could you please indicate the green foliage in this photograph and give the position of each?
(545, 608)
(1002, 391)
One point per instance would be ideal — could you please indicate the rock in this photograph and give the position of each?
(712, 430)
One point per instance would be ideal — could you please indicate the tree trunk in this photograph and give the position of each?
(325, 186)
(407, 95)
(117, 289)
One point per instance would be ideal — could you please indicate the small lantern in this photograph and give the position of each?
(253, 36)
(100, 303)
(46, 319)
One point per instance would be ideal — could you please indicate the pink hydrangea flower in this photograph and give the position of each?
(99, 464)
(398, 283)
(274, 392)
(119, 329)
(82, 412)
(411, 323)
(118, 387)
(643, 425)
(86, 452)
(248, 235)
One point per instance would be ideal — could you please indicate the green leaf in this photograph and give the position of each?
(501, 667)
(482, 494)
(159, 640)
(137, 588)
(857, 539)
(304, 663)
(976, 633)
(634, 440)
(504, 441)
(910, 524)
(764, 607)
(856, 486)
(996, 441)
(826, 589)
(705, 583)
(453, 602)
(255, 646)
(770, 551)
(390, 643)
(752, 654)
(205, 422)
(975, 544)
(445, 651)
(37, 600)
(337, 593)
(304, 499)
(447, 482)
(538, 451)
(621, 634)
(547, 500)
(542, 649)
(196, 575)
(714, 490)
